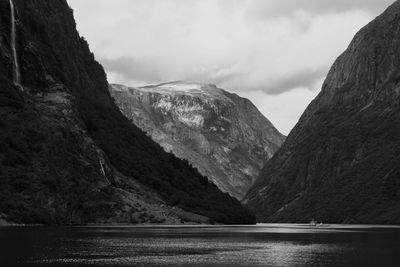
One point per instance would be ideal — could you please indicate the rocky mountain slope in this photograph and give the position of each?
(67, 154)
(221, 134)
(341, 163)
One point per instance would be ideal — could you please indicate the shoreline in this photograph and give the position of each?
(260, 225)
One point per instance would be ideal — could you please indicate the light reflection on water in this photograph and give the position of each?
(261, 245)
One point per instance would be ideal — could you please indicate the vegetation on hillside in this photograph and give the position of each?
(43, 174)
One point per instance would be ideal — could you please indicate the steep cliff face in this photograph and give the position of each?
(67, 154)
(341, 163)
(221, 134)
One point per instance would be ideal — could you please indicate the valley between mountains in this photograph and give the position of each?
(77, 150)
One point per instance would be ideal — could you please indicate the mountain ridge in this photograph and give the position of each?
(340, 163)
(67, 154)
(221, 134)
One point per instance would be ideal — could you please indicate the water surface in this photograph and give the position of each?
(261, 245)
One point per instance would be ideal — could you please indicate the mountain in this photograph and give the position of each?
(67, 154)
(223, 135)
(341, 162)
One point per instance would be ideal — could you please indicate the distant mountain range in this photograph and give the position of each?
(341, 163)
(221, 134)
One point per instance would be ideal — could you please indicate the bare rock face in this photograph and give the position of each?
(221, 134)
(341, 163)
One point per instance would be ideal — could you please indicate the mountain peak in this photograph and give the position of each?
(184, 85)
(179, 88)
(221, 134)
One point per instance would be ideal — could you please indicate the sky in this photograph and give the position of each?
(274, 52)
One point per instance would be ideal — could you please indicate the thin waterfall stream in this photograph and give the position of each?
(16, 74)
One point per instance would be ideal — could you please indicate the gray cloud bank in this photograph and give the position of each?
(273, 46)
(288, 7)
(275, 52)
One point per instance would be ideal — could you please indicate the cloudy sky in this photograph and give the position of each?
(274, 52)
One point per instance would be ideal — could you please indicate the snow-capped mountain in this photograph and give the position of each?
(221, 134)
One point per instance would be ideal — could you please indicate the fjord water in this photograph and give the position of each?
(261, 245)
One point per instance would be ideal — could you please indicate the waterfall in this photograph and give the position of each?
(16, 75)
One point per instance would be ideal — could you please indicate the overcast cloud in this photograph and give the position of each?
(275, 52)
(288, 7)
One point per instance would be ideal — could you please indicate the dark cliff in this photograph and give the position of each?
(221, 134)
(341, 163)
(67, 154)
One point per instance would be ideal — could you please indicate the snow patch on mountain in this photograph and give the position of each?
(180, 86)
(163, 104)
(193, 89)
(194, 121)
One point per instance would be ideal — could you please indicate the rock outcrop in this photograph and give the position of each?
(341, 163)
(221, 134)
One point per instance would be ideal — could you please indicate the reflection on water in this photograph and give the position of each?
(261, 245)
